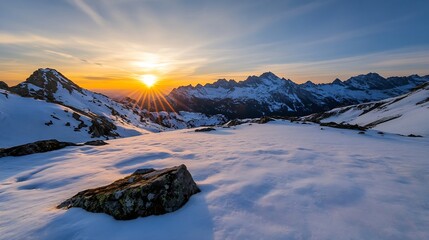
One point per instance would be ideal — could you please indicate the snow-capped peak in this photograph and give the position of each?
(269, 94)
(45, 83)
(269, 75)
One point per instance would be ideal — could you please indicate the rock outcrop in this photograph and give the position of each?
(3, 85)
(101, 126)
(43, 146)
(35, 147)
(207, 129)
(145, 192)
(96, 143)
(236, 122)
(264, 120)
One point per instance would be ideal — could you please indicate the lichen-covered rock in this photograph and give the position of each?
(143, 193)
(35, 147)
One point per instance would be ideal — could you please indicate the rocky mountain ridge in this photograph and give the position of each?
(269, 94)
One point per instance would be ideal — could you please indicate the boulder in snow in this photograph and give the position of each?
(206, 129)
(96, 143)
(145, 192)
(264, 120)
(35, 147)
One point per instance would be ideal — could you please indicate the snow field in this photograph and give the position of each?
(279, 180)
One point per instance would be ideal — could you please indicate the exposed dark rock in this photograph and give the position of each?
(145, 192)
(234, 122)
(423, 101)
(361, 132)
(382, 120)
(101, 126)
(414, 135)
(76, 116)
(5, 94)
(261, 120)
(3, 85)
(49, 123)
(96, 143)
(265, 119)
(36, 147)
(68, 124)
(81, 125)
(207, 129)
(344, 126)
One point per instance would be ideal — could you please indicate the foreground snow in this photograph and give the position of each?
(275, 181)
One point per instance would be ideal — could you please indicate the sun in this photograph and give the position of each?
(148, 79)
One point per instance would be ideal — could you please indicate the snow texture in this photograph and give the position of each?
(278, 180)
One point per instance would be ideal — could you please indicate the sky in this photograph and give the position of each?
(108, 45)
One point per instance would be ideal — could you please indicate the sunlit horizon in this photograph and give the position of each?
(108, 45)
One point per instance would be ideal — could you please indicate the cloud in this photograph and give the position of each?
(84, 7)
(404, 61)
(9, 38)
(99, 78)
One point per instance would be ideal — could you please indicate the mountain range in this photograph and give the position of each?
(49, 105)
(269, 94)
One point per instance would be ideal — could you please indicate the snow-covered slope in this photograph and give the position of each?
(24, 120)
(175, 120)
(278, 180)
(270, 95)
(406, 114)
(184, 119)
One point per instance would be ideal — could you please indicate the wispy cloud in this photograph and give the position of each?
(190, 41)
(84, 7)
(12, 38)
(396, 62)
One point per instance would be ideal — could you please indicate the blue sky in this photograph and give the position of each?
(113, 42)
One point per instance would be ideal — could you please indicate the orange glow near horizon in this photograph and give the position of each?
(151, 99)
(148, 79)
